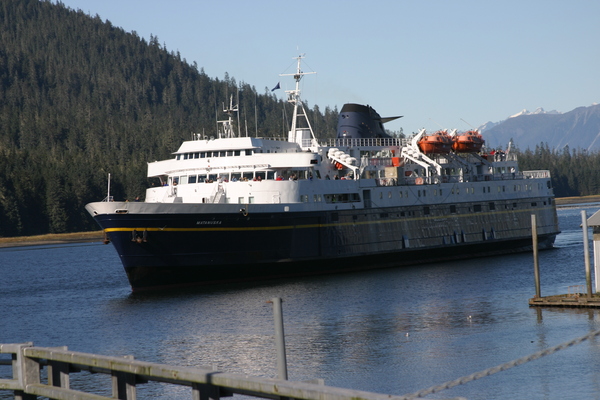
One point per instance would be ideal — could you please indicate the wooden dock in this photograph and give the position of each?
(564, 300)
(576, 297)
(28, 383)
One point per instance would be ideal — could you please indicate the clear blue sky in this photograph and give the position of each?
(435, 62)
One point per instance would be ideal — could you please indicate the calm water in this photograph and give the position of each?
(392, 331)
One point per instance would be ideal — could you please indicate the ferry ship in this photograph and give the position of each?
(234, 208)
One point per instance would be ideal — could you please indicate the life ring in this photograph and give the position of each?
(419, 181)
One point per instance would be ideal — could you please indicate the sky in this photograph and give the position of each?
(438, 63)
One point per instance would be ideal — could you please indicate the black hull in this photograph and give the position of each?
(169, 250)
(143, 278)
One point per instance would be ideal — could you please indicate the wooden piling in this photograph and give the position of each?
(575, 296)
(536, 264)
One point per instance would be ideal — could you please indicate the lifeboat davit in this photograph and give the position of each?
(436, 143)
(467, 142)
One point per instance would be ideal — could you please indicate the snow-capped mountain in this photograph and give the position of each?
(537, 111)
(579, 128)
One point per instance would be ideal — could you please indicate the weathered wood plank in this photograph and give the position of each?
(58, 393)
(206, 383)
(10, 384)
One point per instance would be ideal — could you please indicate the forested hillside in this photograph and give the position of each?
(574, 172)
(80, 98)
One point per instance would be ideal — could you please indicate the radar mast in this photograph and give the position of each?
(305, 137)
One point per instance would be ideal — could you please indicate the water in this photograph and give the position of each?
(392, 331)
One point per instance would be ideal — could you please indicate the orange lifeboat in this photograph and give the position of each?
(468, 142)
(437, 143)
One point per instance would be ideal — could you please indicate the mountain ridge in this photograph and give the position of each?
(578, 128)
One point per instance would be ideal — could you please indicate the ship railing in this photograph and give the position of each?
(434, 180)
(108, 198)
(500, 156)
(386, 182)
(365, 142)
(494, 177)
(217, 194)
(536, 174)
(507, 176)
(380, 162)
(127, 374)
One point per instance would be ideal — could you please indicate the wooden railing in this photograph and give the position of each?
(206, 384)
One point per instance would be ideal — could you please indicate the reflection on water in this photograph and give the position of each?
(391, 331)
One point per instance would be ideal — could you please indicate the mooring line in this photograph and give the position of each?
(501, 367)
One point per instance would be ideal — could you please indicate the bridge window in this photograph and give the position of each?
(260, 175)
(342, 198)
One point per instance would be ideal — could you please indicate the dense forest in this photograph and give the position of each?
(574, 172)
(80, 98)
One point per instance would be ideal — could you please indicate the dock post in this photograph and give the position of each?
(279, 339)
(536, 265)
(123, 384)
(596, 250)
(58, 372)
(586, 253)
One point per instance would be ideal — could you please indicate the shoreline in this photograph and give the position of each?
(51, 238)
(566, 201)
(98, 236)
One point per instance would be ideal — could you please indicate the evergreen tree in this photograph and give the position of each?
(80, 98)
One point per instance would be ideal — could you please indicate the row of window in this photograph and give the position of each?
(332, 198)
(223, 177)
(218, 153)
(440, 192)
(240, 176)
(454, 210)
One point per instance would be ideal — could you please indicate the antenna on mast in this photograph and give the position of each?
(438, 124)
(475, 129)
(228, 123)
(295, 133)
